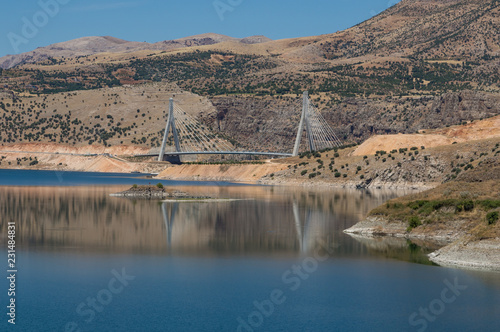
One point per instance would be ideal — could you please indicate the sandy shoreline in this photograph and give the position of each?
(286, 183)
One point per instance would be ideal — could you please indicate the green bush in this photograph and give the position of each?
(436, 205)
(303, 172)
(492, 218)
(413, 222)
(489, 204)
(337, 174)
(467, 205)
(160, 185)
(134, 186)
(395, 205)
(427, 207)
(416, 204)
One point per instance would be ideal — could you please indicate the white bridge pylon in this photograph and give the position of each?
(319, 133)
(192, 137)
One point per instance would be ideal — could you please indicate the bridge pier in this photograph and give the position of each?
(173, 159)
(170, 124)
(304, 121)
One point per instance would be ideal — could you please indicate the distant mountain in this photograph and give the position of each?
(92, 45)
(76, 47)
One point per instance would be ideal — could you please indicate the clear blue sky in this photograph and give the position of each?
(157, 20)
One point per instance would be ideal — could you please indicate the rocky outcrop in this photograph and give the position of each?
(361, 118)
(258, 124)
(255, 40)
(456, 107)
(378, 226)
(478, 255)
(458, 250)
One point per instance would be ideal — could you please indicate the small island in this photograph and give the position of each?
(157, 192)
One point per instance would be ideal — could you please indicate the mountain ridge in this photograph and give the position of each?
(90, 45)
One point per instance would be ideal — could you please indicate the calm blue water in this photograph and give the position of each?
(209, 294)
(10, 177)
(273, 260)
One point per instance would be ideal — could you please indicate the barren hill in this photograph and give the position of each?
(131, 115)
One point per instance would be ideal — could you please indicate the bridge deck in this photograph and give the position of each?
(253, 153)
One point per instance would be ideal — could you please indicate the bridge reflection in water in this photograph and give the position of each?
(251, 220)
(303, 223)
(168, 218)
(275, 219)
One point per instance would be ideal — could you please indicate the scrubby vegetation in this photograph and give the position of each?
(429, 211)
(446, 204)
(396, 166)
(492, 218)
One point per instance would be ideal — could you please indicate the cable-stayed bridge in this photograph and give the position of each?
(184, 135)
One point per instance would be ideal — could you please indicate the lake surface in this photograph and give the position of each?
(265, 259)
